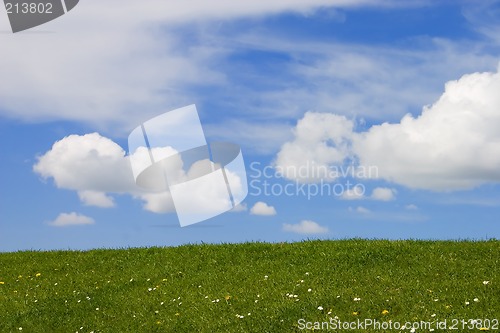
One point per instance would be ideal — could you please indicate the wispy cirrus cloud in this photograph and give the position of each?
(305, 227)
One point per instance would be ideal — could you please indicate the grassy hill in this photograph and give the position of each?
(254, 287)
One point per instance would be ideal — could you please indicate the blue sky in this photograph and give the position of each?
(410, 89)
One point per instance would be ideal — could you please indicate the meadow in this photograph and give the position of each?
(256, 287)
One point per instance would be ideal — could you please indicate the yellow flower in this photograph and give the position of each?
(355, 313)
(38, 274)
(1, 282)
(227, 297)
(385, 312)
(484, 329)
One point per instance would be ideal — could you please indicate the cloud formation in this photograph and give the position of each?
(71, 219)
(261, 208)
(95, 166)
(319, 141)
(305, 227)
(453, 144)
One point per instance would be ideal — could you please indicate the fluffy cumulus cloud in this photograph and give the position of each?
(320, 140)
(305, 227)
(453, 144)
(95, 166)
(241, 207)
(261, 208)
(71, 219)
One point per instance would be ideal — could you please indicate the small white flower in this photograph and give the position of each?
(433, 315)
(486, 282)
(356, 299)
(97, 309)
(309, 290)
(412, 330)
(476, 299)
(307, 273)
(265, 277)
(467, 303)
(150, 289)
(320, 308)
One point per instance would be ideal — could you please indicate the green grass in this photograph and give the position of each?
(207, 288)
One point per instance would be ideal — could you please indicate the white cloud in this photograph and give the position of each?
(93, 166)
(87, 162)
(261, 208)
(71, 219)
(94, 198)
(356, 193)
(158, 202)
(454, 144)
(362, 210)
(319, 141)
(105, 71)
(411, 207)
(383, 194)
(305, 227)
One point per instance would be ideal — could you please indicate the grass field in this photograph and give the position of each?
(254, 287)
